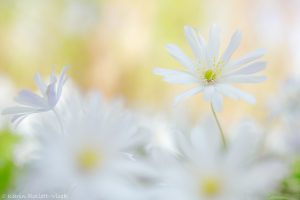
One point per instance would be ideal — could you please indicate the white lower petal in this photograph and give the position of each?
(187, 94)
(227, 91)
(18, 110)
(235, 93)
(209, 92)
(217, 102)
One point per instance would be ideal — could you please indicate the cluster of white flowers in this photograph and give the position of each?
(88, 148)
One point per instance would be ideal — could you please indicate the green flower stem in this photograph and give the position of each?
(219, 126)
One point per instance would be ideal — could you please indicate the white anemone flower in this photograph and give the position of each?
(213, 74)
(31, 103)
(284, 111)
(204, 171)
(93, 159)
(286, 103)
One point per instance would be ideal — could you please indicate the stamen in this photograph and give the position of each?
(210, 186)
(210, 75)
(89, 159)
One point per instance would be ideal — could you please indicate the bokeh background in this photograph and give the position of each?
(113, 45)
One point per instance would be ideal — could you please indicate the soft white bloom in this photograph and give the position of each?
(93, 159)
(284, 111)
(31, 103)
(286, 102)
(213, 74)
(205, 171)
(160, 132)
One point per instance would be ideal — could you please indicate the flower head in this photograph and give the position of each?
(31, 103)
(203, 170)
(213, 74)
(94, 158)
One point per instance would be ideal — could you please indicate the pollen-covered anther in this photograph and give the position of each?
(89, 159)
(210, 75)
(210, 186)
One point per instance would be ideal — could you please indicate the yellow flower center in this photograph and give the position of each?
(210, 75)
(89, 159)
(210, 186)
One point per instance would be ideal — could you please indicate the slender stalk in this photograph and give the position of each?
(219, 126)
(59, 120)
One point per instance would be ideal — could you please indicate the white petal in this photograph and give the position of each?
(250, 69)
(247, 97)
(243, 147)
(230, 91)
(18, 110)
(195, 42)
(209, 92)
(184, 145)
(227, 91)
(62, 80)
(28, 98)
(217, 102)
(53, 78)
(267, 176)
(17, 119)
(246, 59)
(187, 94)
(244, 79)
(233, 45)
(214, 42)
(206, 140)
(52, 95)
(174, 76)
(180, 56)
(40, 83)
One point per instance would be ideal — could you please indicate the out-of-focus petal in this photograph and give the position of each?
(28, 98)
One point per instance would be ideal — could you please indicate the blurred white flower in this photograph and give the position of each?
(205, 171)
(284, 111)
(31, 103)
(160, 130)
(93, 160)
(213, 74)
(286, 104)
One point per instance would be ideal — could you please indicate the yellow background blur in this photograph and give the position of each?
(113, 45)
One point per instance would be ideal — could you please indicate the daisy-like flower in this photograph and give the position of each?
(93, 159)
(213, 74)
(204, 171)
(31, 103)
(285, 109)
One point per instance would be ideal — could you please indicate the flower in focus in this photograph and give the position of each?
(93, 160)
(205, 171)
(213, 74)
(31, 103)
